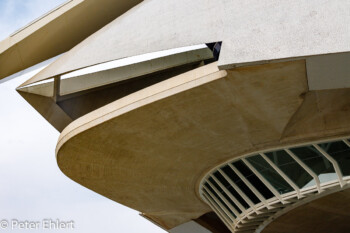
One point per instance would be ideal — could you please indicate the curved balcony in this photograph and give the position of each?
(249, 192)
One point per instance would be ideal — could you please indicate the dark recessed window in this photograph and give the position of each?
(253, 179)
(341, 153)
(222, 193)
(240, 184)
(232, 191)
(291, 168)
(212, 200)
(316, 162)
(270, 174)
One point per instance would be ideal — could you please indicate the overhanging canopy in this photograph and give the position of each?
(57, 32)
(252, 32)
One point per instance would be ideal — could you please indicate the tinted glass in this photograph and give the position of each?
(220, 200)
(316, 162)
(209, 197)
(232, 191)
(341, 153)
(290, 167)
(253, 179)
(241, 185)
(270, 174)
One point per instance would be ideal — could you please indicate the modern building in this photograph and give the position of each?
(241, 125)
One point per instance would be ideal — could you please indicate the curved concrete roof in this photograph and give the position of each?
(134, 150)
(329, 213)
(57, 31)
(252, 31)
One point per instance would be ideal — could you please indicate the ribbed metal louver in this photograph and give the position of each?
(247, 192)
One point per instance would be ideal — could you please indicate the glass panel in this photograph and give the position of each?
(341, 153)
(270, 174)
(316, 162)
(223, 194)
(253, 179)
(290, 167)
(241, 185)
(231, 190)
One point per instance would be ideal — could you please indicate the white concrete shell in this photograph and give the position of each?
(252, 31)
(57, 32)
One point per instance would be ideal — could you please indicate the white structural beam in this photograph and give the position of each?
(254, 190)
(266, 183)
(232, 208)
(217, 210)
(306, 168)
(225, 209)
(237, 189)
(282, 174)
(214, 188)
(346, 142)
(334, 163)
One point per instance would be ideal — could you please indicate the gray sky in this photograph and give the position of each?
(32, 186)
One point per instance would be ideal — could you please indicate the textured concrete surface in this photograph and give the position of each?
(150, 149)
(83, 94)
(47, 107)
(57, 32)
(190, 226)
(329, 71)
(327, 214)
(252, 31)
(104, 77)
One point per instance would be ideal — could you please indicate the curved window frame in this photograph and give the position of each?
(271, 205)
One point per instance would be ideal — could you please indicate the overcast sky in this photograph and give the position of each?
(31, 185)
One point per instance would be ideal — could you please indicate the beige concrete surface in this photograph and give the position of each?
(190, 226)
(47, 107)
(327, 214)
(44, 89)
(328, 72)
(77, 96)
(150, 149)
(57, 32)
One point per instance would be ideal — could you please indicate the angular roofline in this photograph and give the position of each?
(40, 17)
(57, 32)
